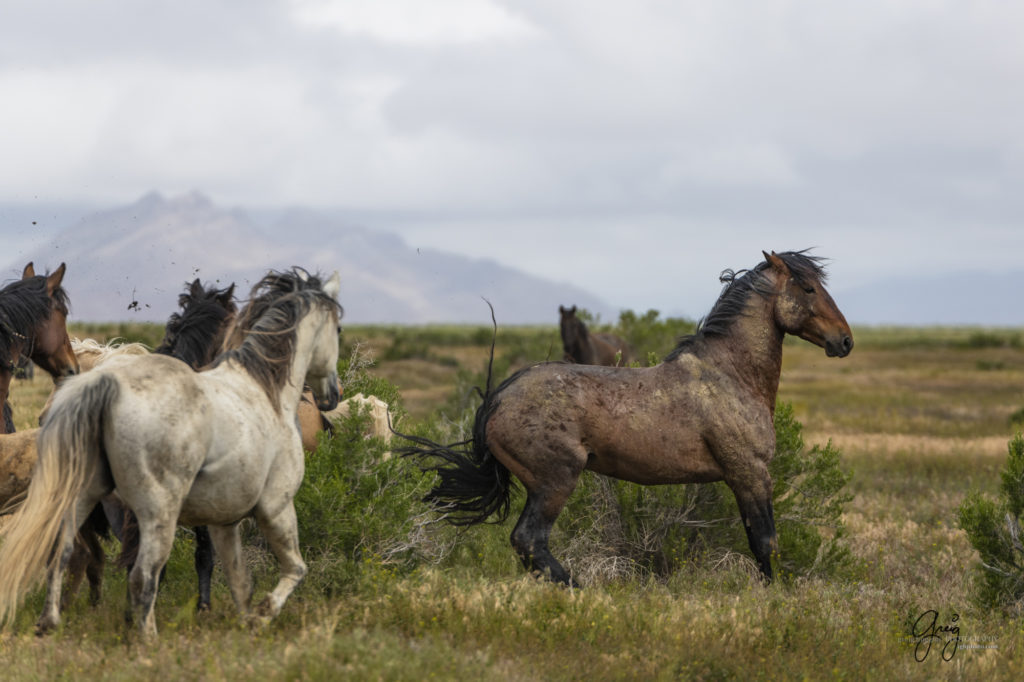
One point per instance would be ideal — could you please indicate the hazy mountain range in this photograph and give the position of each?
(131, 263)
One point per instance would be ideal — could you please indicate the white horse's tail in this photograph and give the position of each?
(70, 447)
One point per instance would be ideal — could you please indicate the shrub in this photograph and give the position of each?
(648, 335)
(994, 529)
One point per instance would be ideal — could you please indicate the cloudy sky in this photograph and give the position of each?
(632, 148)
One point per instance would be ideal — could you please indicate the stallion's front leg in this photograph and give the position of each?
(754, 497)
(204, 566)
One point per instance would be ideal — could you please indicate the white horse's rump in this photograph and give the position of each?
(205, 448)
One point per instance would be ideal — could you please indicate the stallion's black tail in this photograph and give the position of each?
(474, 485)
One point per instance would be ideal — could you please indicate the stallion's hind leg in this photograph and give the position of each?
(228, 544)
(204, 566)
(156, 538)
(530, 536)
(282, 533)
(755, 503)
(49, 619)
(87, 561)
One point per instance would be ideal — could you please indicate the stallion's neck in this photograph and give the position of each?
(752, 349)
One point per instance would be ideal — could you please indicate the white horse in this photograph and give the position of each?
(207, 448)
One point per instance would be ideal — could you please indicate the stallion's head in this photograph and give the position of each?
(571, 326)
(322, 373)
(44, 309)
(803, 307)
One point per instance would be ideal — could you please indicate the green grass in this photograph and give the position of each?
(920, 416)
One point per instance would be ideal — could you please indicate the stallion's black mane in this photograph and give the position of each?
(269, 323)
(191, 335)
(23, 305)
(738, 287)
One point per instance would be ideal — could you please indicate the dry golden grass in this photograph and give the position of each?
(919, 422)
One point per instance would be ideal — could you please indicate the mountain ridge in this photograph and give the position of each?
(130, 263)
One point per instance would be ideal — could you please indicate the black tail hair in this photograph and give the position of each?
(474, 485)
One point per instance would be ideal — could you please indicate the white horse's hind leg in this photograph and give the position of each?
(49, 619)
(282, 533)
(156, 538)
(227, 544)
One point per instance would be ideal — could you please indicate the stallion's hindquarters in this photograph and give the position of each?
(69, 477)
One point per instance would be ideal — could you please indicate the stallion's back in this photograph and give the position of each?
(639, 424)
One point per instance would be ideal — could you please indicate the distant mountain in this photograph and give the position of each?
(131, 263)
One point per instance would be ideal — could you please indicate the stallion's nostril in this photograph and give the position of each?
(847, 343)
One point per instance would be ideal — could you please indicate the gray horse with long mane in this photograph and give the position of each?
(198, 448)
(704, 414)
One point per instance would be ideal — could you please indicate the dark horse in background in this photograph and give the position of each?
(585, 348)
(194, 336)
(704, 414)
(33, 324)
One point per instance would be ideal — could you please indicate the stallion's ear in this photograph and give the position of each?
(777, 263)
(333, 286)
(29, 271)
(196, 288)
(228, 294)
(54, 280)
(573, 309)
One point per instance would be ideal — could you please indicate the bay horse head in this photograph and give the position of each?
(33, 324)
(42, 306)
(574, 333)
(803, 307)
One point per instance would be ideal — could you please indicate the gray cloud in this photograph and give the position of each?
(886, 134)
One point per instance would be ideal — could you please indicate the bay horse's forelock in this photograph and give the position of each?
(705, 414)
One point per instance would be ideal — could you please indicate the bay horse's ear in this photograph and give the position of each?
(228, 294)
(54, 280)
(573, 309)
(333, 286)
(196, 288)
(29, 271)
(778, 265)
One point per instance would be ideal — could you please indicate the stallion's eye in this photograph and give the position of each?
(808, 290)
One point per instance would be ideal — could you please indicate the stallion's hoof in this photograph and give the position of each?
(203, 607)
(44, 628)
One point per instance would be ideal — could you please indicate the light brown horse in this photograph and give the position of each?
(704, 414)
(33, 324)
(584, 348)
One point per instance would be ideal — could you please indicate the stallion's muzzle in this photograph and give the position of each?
(840, 348)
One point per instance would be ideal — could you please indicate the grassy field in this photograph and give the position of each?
(921, 417)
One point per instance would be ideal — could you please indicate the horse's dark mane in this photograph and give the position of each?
(739, 285)
(192, 335)
(269, 323)
(23, 305)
